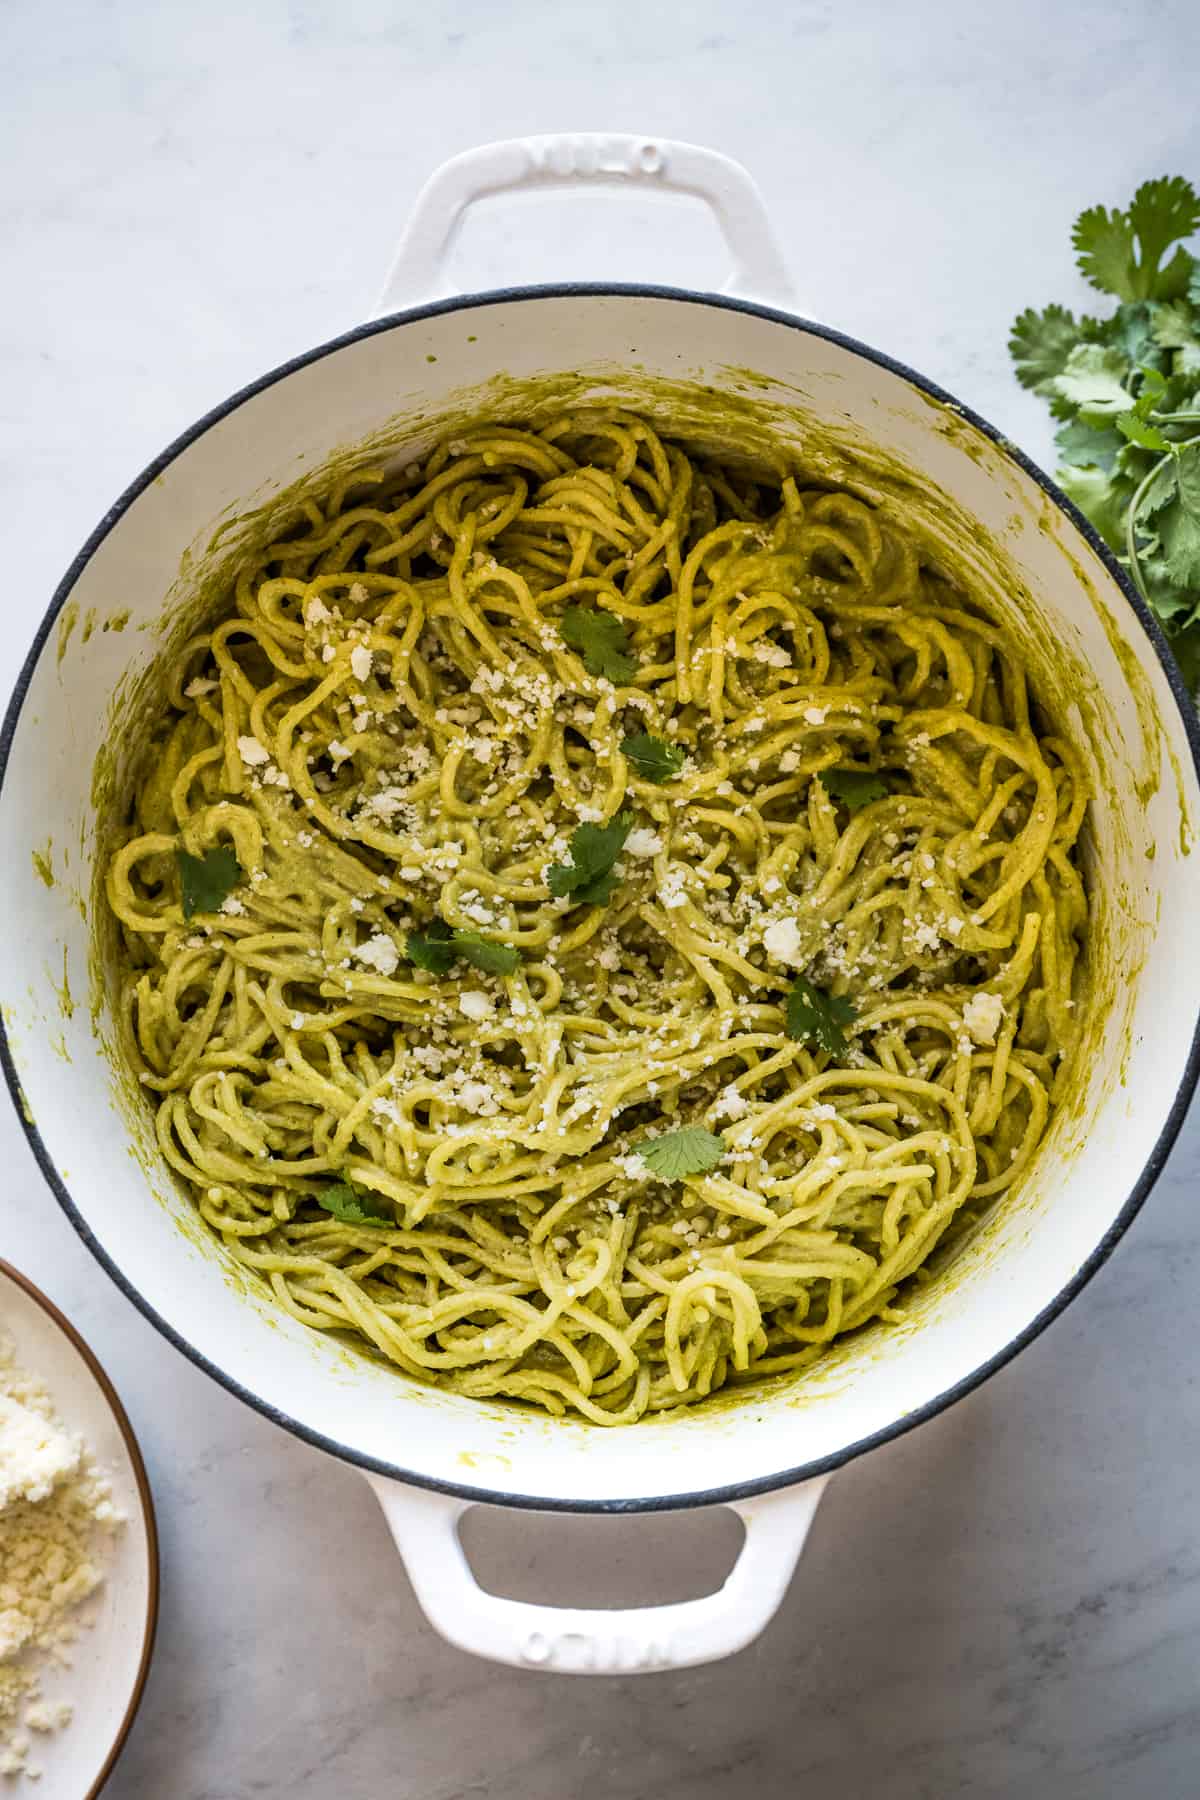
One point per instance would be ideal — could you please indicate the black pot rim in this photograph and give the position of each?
(731, 1491)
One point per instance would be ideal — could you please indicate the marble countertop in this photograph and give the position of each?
(1008, 1600)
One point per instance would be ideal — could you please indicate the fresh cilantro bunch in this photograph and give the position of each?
(1126, 390)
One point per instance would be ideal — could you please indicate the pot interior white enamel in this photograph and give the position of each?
(395, 385)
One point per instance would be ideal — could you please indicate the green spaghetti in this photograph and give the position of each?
(593, 918)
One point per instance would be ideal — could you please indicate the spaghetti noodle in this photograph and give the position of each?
(414, 1078)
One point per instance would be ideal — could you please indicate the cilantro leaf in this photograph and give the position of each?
(1193, 287)
(432, 949)
(1162, 213)
(1131, 330)
(1092, 380)
(484, 953)
(1105, 251)
(1088, 446)
(1160, 492)
(439, 947)
(689, 1151)
(1152, 387)
(355, 1205)
(589, 878)
(1174, 324)
(1041, 343)
(1177, 328)
(1136, 425)
(1175, 607)
(1165, 212)
(1140, 431)
(206, 882)
(1173, 502)
(815, 1017)
(653, 759)
(602, 642)
(853, 787)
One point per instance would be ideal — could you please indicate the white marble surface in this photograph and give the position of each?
(1006, 1602)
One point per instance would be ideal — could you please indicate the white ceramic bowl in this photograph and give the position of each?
(395, 384)
(111, 1661)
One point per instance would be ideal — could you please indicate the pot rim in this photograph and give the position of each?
(729, 1491)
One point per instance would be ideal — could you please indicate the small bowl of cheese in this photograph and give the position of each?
(78, 1555)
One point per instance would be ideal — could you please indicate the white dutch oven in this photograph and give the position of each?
(766, 1452)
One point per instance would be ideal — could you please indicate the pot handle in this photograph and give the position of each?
(585, 159)
(576, 1641)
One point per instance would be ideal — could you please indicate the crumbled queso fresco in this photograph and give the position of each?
(982, 1016)
(56, 1513)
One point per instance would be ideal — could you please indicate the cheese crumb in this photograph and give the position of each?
(475, 1005)
(781, 940)
(360, 662)
(379, 952)
(982, 1016)
(34, 1455)
(252, 752)
(731, 1103)
(672, 890)
(643, 842)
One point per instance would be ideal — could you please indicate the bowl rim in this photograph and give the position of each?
(145, 1501)
(1189, 720)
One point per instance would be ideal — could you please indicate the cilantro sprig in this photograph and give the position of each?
(206, 882)
(815, 1017)
(689, 1151)
(654, 759)
(601, 640)
(354, 1205)
(853, 787)
(438, 948)
(1126, 390)
(590, 877)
